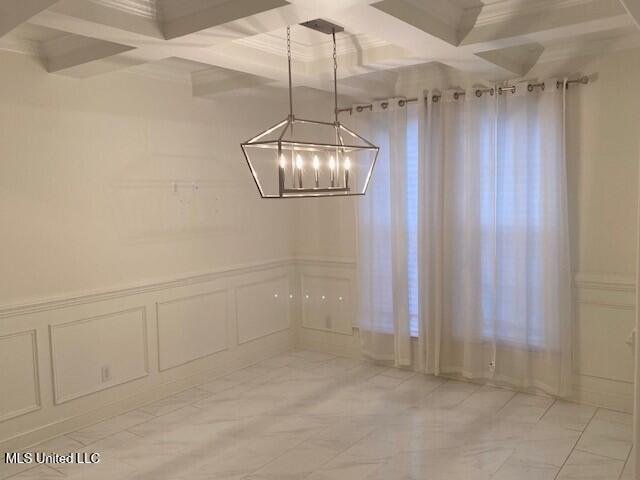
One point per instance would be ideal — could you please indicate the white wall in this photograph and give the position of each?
(86, 182)
(102, 258)
(603, 148)
(132, 238)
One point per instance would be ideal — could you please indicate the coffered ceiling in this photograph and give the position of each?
(226, 46)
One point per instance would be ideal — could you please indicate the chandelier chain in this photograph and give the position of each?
(335, 77)
(289, 64)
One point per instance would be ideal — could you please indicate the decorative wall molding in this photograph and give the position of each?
(43, 304)
(507, 10)
(346, 296)
(605, 281)
(604, 318)
(332, 262)
(162, 364)
(81, 397)
(283, 296)
(59, 396)
(139, 8)
(37, 403)
(119, 405)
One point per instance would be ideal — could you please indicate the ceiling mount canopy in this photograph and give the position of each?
(309, 158)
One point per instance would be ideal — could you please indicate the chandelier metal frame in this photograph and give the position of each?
(297, 189)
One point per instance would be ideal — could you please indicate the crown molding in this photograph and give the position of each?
(507, 10)
(20, 45)
(139, 8)
(345, 44)
(161, 73)
(444, 10)
(581, 48)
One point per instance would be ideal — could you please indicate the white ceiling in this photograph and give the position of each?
(228, 46)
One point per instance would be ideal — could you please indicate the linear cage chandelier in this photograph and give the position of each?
(308, 158)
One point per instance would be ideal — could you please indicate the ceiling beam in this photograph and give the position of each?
(216, 80)
(183, 17)
(425, 46)
(499, 41)
(444, 27)
(495, 30)
(76, 56)
(519, 59)
(633, 8)
(15, 12)
(79, 17)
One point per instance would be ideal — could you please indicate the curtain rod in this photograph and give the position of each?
(479, 92)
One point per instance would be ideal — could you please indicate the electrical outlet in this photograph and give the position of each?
(492, 366)
(106, 373)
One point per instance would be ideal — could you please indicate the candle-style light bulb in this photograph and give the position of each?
(316, 167)
(347, 166)
(299, 166)
(281, 173)
(332, 170)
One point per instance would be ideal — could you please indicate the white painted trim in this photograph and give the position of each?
(43, 304)
(138, 8)
(36, 376)
(161, 73)
(267, 280)
(605, 281)
(120, 406)
(509, 9)
(11, 43)
(604, 395)
(60, 399)
(303, 323)
(180, 299)
(343, 262)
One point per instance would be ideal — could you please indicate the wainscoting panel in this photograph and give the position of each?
(262, 308)
(92, 354)
(604, 306)
(19, 370)
(601, 335)
(328, 323)
(192, 327)
(327, 303)
(602, 360)
(103, 353)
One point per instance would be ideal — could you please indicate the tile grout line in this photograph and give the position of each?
(508, 402)
(624, 467)
(577, 441)
(547, 409)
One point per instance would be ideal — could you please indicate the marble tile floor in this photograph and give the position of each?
(314, 416)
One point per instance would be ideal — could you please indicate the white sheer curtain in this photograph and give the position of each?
(495, 277)
(383, 306)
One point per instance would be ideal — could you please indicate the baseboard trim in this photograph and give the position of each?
(70, 424)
